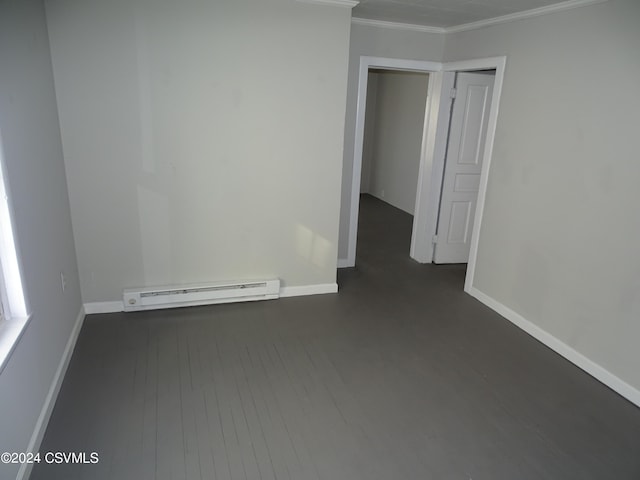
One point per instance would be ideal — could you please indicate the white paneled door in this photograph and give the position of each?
(463, 165)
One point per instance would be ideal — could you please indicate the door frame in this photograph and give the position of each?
(432, 152)
(367, 63)
(498, 64)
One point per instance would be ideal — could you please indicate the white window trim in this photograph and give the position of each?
(10, 332)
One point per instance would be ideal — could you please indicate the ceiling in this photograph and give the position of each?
(443, 13)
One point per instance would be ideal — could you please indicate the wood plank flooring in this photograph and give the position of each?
(399, 376)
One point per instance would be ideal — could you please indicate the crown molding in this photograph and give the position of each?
(536, 12)
(333, 3)
(558, 7)
(397, 25)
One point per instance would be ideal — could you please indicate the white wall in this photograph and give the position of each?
(396, 137)
(42, 223)
(376, 42)
(560, 233)
(369, 132)
(203, 140)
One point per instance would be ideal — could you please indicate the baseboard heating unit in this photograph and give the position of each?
(136, 299)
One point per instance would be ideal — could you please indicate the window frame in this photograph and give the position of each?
(15, 315)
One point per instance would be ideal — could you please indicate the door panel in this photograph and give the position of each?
(467, 182)
(463, 165)
(475, 107)
(459, 222)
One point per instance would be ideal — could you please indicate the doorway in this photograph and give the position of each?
(433, 151)
(394, 123)
(471, 101)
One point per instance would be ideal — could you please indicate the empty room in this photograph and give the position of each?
(213, 266)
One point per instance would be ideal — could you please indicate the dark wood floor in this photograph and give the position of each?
(399, 376)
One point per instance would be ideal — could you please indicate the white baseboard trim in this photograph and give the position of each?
(104, 307)
(308, 290)
(50, 400)
(589, 366)
(344, 263)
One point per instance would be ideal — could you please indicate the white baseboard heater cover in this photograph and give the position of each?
(136, 299)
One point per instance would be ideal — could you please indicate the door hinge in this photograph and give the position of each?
(452, 93)
(434, 239)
